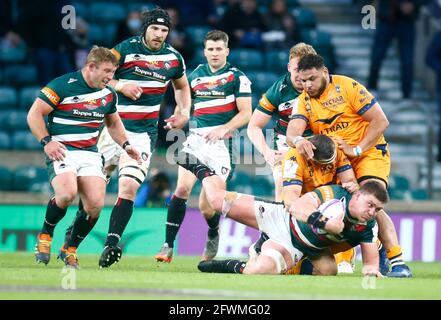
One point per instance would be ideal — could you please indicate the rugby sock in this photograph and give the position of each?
(192, 164)
(82, 226)
(222, 266)
(306, 267)
(234, 266)
(69, 229)
(213, 225)
(121, 214)
(395, 256)
(53, 215)
(175, 216)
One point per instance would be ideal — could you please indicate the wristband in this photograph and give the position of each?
(316, 219)
(357, 151)
(44, 141)
(125, 145)
(119, 85)
(297, 139)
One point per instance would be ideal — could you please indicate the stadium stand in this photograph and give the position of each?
(335, 32)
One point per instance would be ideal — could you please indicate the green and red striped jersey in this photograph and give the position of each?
(79, 110)
(312, 241)
(152, 71)
(214, 94)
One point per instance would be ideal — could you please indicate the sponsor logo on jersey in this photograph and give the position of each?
(94, 103)
(333, 102)
(329, 120)
(337, 127)
(51, 95)
(284, 106)
(149, 74)
(154, 65)
(87, 114)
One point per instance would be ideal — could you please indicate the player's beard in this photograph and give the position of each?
(320, 90)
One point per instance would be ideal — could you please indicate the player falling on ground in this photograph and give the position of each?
(301, 229)
(278, 101)
(342, 108)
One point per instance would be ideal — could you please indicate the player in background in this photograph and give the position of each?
(278, 101)
(77, 105)
(221, 96)
(146, 66)
(342, 108)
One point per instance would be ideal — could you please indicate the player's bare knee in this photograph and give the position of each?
(130, 179)
(65, 199)
(182, 192)
(227, 202)
(93, 208)
(127, 189)
(215, 199)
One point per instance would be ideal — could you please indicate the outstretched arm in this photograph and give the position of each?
(369, 252)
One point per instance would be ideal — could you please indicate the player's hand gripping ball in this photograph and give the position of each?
(333, 209)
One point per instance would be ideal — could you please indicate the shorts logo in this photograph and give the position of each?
(224, 170)
(144, 156)
(261, 209)
(62, 165)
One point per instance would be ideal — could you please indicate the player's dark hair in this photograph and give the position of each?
(325, 151)
(216, 35)
(311, 61)
(155, 16)
(377, 189)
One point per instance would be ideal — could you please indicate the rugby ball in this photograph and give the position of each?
(333, 209)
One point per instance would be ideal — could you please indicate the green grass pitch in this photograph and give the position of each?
(140, 277)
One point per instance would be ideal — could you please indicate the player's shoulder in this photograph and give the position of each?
(198, 72)
(129, 43)
(292, 154)
(235, 70)
(278, 87)
(65, 80)
(331, 191)
(169, 49)
(345, 81)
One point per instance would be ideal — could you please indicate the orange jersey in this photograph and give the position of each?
(338, 111)
(297, 170)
